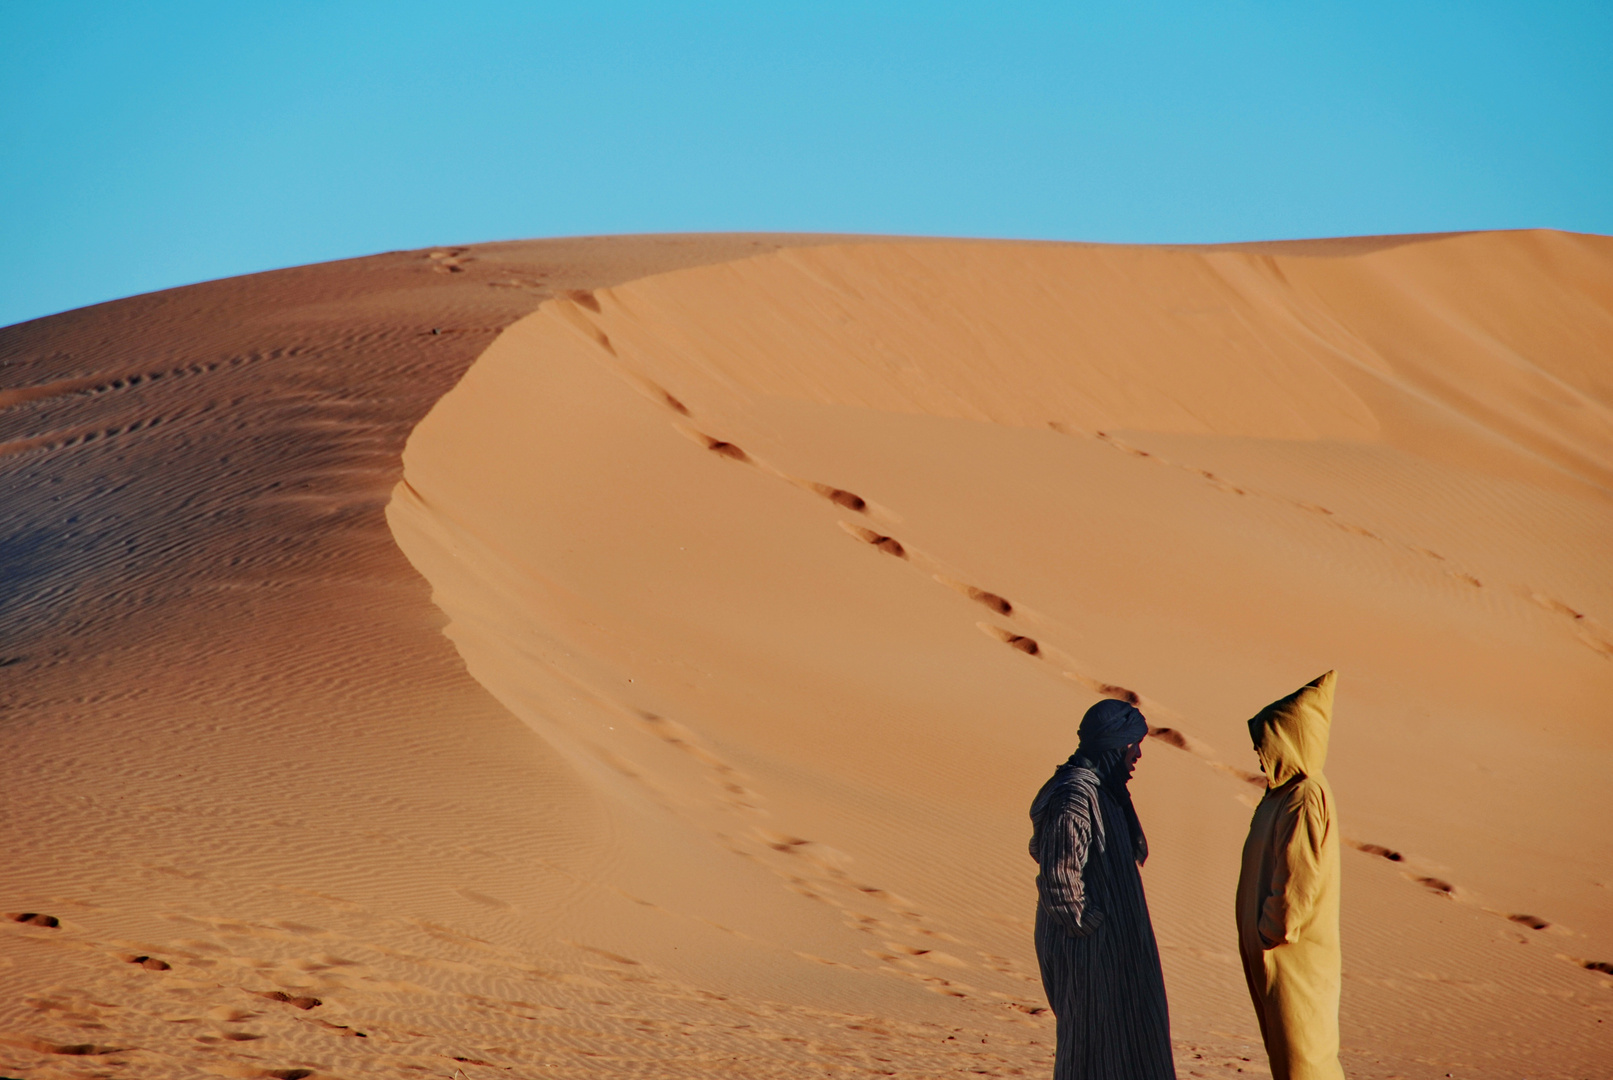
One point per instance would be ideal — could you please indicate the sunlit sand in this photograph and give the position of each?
(636, 656)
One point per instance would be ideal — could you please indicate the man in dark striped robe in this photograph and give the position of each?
(1099, 960)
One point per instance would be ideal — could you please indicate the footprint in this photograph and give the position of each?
(583, 298)
(737, 794)
(1098, 686)
(1533, 922)
(726, 449)
(1466, 579)
(1357, 530)
(1203, 751)
(1253, 779)
(650, 388)
(944, 987)
(1554, 605)
(33, 918)
(1597, 965)
(1379, 850)
(830, 860)
(675, 734)
(303, 1002)
(841, 497)
(717, 446)
(935, 956)
(1169, 736)
(1436, 885)
(1008, 637)
(1218, 483)
(570, 314)
(997, 603)
(1118, 445)
(780, 841)
(888, 544)
(724, 775)
(150, 963)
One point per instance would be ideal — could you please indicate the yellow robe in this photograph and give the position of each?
(1288, 891)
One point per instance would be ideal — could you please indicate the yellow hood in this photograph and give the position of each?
(1290, 734)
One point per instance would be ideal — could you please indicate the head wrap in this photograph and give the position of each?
(1106, 730)
(1110, 725)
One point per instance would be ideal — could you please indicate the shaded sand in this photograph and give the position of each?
(778, 571)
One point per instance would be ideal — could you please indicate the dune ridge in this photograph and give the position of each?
(774, 572)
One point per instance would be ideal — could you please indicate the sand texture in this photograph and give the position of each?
(636, 656)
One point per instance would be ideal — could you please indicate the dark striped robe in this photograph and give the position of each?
(1100, 964)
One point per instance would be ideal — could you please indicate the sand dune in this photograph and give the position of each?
(671, 703)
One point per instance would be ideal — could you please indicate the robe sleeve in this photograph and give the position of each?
(1297, 872)
(1066, 840)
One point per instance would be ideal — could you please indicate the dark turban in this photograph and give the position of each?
(1106, 730)
(1111, 724)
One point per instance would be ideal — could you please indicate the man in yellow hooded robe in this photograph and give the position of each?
(1288, 891)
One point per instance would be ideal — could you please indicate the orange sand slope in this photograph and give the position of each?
(801, 567)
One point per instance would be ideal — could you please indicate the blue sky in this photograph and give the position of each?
(156, 144)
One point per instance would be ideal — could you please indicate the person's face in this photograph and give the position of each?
(1132, 754)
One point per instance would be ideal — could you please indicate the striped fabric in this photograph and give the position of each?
(1100, 964)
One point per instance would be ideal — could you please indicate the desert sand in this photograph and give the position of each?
(635, 656)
